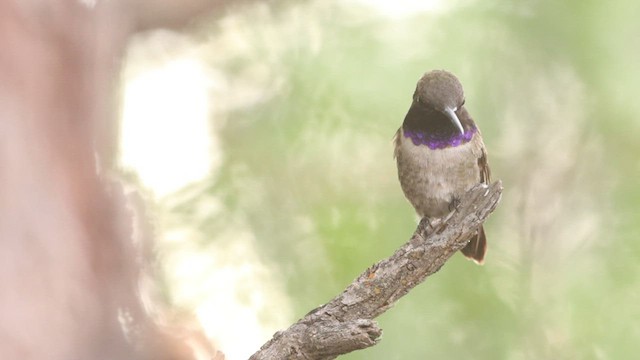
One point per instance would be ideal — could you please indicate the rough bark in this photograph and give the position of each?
(345, 323)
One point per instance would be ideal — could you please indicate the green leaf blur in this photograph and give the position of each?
(308, 166)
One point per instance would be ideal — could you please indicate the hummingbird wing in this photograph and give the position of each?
(477, 246)
(396, 143)
(483, 165)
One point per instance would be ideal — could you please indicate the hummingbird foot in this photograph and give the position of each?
(425, 225)
(454, 203)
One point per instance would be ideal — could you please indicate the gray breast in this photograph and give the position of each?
(431, 179)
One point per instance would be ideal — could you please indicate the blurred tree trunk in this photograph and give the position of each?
(69, 269)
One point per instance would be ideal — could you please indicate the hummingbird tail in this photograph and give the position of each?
(477, 247)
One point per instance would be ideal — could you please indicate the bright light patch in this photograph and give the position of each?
(166, 138)
(403, 8)
(89, 3)
(238, 300)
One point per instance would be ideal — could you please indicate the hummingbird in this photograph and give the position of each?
(440, 153)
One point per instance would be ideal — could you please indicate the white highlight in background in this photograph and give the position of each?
(165, 132)
(238, 300)
(403, 8)
(167, 140)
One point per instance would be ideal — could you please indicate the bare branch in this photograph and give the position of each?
(345, 323)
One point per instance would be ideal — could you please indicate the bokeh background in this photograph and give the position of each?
(262, 141)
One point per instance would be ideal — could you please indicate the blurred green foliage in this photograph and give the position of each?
(309, 168)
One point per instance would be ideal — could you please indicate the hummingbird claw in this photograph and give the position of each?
(454, 203)
(425, 224)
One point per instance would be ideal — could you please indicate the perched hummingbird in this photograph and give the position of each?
(440, 153)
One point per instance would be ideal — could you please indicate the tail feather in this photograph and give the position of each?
(477, 247)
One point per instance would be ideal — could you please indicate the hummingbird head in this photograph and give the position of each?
(441, 91)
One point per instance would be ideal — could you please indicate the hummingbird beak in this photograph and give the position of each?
(451, 114)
